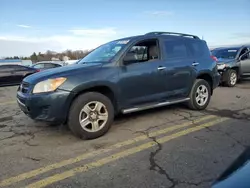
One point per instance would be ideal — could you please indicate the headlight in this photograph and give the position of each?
(48, 85)
(221, 66)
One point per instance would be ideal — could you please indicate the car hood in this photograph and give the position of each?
(64, 71)
(225, 61)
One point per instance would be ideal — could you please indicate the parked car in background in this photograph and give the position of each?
(233, 63)
(14, 74)
(122, 76)
(43, 65)
(71, 62)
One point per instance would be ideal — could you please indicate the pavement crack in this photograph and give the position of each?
(229, 136)
(2, 126)
(27, 142)
(33, 158)
(234, 114)
(7, 118)
(189, 117)
(154, 165)
(196, 184)
(236, 140)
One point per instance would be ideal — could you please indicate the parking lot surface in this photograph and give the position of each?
(166, 147)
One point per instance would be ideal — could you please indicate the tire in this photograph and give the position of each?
(232, 78)
(193, 103)
(84, 108)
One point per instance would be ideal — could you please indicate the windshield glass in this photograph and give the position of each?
(105, 52)
(225, 53)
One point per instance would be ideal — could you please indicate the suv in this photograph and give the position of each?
(122, 76)
(233, 63)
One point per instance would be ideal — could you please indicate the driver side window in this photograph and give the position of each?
(143, 51)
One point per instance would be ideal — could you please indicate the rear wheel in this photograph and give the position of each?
(200, 95)
(91, 115)
(232, 78)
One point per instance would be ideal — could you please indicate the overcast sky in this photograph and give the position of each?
(36, 26)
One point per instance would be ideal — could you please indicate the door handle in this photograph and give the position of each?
(161, 68)
(195, 64)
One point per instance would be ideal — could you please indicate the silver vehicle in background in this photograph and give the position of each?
(44, 65)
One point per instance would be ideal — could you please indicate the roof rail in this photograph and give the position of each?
(172, 33)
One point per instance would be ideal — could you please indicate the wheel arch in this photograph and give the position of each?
(106, 88)
(206, 76)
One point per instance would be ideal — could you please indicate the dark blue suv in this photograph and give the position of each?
(122, 76)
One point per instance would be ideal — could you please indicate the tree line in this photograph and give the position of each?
(51, 55)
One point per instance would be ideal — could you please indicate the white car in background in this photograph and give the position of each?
(44, 65)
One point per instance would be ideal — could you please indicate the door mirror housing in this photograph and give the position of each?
(129, 58)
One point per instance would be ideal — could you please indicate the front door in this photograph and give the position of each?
(6, 75)
(142, 75)
(20, 72)
(245, 63)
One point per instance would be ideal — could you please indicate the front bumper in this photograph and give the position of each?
(50, 107)
(223, 74)
(216, 80)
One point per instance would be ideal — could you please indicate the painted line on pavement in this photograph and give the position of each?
(61, 176)
(79, 158)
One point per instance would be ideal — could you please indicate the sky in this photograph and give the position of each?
(29, 26)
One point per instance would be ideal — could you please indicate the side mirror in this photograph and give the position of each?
(129, 58)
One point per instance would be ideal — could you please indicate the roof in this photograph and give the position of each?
(52, 62)
(159, 34)
(231, 47)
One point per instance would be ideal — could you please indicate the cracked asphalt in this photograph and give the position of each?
(156, 148)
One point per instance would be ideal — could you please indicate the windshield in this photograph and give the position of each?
(225, 53)
(105, 52)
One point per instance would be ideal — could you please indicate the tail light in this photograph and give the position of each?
(38, 70)
(214, 58)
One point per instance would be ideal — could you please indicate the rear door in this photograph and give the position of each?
(179, 72)
(7, 74)
(20, 73)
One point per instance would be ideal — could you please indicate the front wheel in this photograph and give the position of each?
(232, 78)
(91, 115)
(200, 95)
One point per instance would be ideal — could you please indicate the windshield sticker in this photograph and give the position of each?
(123, 42)
(232, 50)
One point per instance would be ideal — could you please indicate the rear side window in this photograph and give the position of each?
(39, 66)
(175, 49)
(49, 65)
(198, 48)
(7, 68)
(21, 68)
(4, 67)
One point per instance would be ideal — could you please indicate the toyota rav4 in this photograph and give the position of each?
(122, 76)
